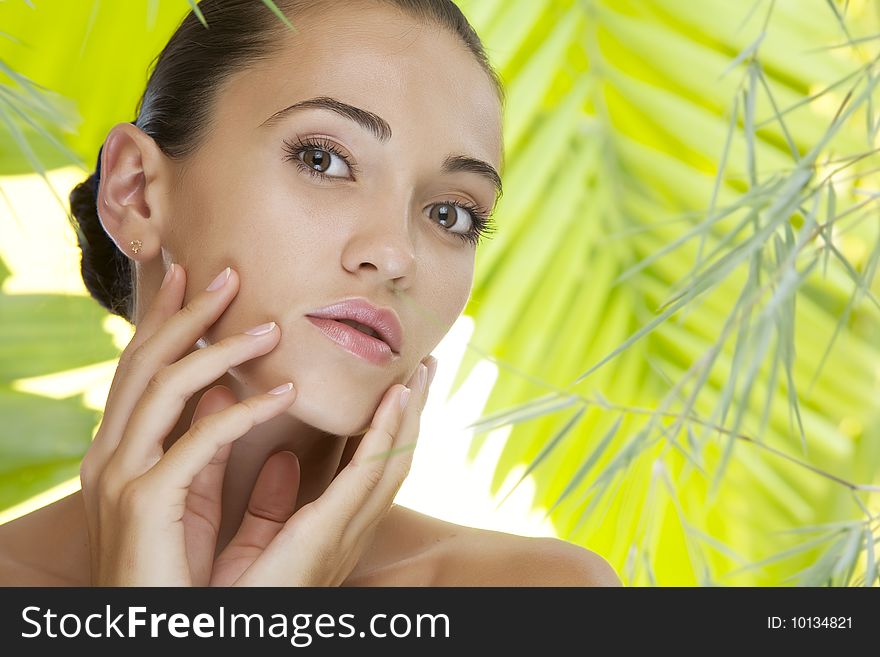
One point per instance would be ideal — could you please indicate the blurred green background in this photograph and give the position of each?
(680, 298)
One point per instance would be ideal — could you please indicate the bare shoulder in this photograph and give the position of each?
(554, 562)
(449, 554)
(14, 569)
(16, 572)
(491, 558)
(47, 547)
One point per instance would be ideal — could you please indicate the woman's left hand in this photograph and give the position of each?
(323, 541)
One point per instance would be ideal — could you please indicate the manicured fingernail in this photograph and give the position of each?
(422, 376)
(262, 329)
(404, 396)
(168, 276)
(280, 390)
(432, 368)
(220, 281)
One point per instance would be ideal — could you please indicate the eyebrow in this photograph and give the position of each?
(380, 129)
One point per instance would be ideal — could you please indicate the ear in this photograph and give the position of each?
(134, 190)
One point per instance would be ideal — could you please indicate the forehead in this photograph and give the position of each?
(420, 78)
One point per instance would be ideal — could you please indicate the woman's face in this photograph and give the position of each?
(375, 225)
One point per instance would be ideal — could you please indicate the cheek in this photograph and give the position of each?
(457, 280)
(445, 290)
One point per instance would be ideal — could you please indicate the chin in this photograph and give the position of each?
(339, 412)
(332, 394)
(333, 414)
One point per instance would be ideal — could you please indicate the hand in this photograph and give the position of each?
(142, 503)
(324, 540)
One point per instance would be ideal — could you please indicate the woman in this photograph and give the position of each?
(338, 176)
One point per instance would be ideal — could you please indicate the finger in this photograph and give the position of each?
(353, 441)
(165, 333)
(348, 492)
(322, 523)
(201, 520)
(272, 503)
(399, 461)
(432, 369)
(165, 303)
(171, 477)
(159, 408)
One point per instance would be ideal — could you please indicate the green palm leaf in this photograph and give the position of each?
(703, 205)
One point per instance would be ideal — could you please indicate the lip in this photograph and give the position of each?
(383, 321)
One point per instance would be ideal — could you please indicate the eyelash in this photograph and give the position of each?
(482, 224)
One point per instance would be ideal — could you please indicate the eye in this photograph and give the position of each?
(319, 157)
(469, 222)
(452, 217)
(322, 159)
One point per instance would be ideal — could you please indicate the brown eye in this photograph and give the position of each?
(317, 159)
(447, 215)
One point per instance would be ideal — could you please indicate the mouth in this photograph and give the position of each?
(374, 334)
(354, 340)
(363, 328)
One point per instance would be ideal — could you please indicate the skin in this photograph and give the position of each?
(310, 243)
(351, 238)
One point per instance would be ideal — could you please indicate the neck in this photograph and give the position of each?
(321, 456)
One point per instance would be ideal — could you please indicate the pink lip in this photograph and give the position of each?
(372, 349)
(360, 344)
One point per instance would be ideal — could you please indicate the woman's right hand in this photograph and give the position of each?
(139, 498)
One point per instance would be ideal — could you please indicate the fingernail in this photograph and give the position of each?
(280, 390)
(423, 376)
(168, 276)
(262, 329)
(432, 369)
(417, 378)
(220, 281)
(404, 396)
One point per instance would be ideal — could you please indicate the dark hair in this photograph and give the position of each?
(176, 106)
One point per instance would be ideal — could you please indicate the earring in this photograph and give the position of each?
(136, 245)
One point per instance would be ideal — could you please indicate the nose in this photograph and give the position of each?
(380, 246)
